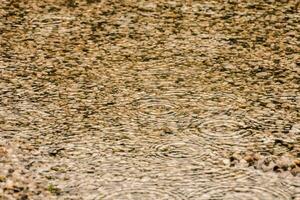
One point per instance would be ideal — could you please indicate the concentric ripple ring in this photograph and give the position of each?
(177, 150)
(136, 194)
(222, 128)
(155, 107)
(240, 193)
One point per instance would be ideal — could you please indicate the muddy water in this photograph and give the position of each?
(152, 100)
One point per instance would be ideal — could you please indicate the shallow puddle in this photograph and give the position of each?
(120, 100)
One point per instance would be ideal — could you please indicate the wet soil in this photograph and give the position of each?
(129, 99)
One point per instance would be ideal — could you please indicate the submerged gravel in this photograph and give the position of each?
(150, 99)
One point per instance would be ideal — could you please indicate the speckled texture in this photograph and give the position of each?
(121, 100)
(16, 181)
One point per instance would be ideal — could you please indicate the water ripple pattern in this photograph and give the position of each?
(224, 132)
(222, 129)
(241, 192)
(136, 194)
(155, 99)
(177, 149)
(204, 173)
(206, 101)
(154, 107)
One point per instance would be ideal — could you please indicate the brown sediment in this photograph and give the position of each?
(149, 99)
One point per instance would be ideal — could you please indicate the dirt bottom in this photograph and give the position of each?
(171, 100)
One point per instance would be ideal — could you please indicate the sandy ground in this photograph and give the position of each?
(168, 100)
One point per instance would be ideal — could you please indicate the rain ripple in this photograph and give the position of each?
(223, 132)
(146, 194)
(228, 192)
(155, 107)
